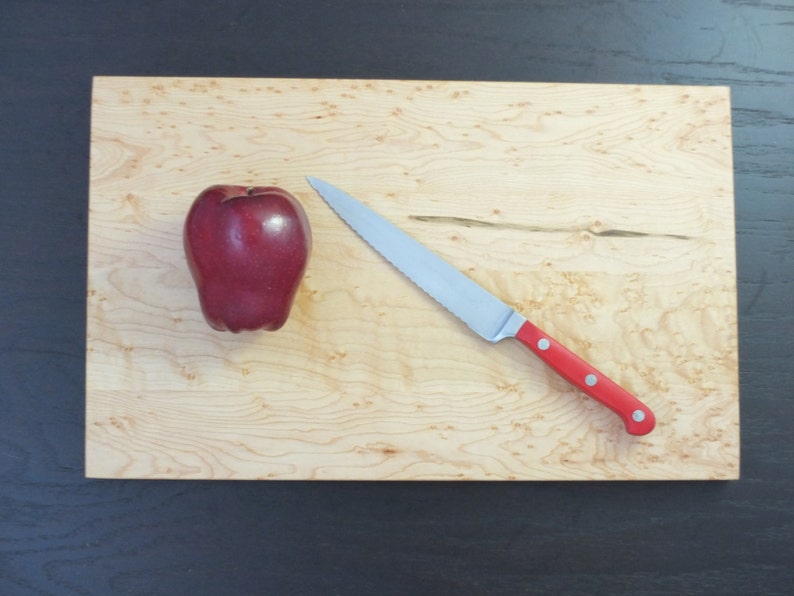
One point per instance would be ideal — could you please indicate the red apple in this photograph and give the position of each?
(247, 250)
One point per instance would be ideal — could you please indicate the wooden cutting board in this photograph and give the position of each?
(604, 213)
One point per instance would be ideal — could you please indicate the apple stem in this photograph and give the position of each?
(250, 190)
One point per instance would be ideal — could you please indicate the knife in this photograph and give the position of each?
(483, 312)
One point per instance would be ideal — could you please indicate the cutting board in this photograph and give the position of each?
(603, 213)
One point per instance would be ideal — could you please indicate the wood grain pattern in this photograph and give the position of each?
(604, 213)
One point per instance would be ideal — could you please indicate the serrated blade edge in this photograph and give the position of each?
(483, 312)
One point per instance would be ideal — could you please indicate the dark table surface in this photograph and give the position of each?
(63, 534)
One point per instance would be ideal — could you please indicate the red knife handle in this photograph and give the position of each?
(637, 417)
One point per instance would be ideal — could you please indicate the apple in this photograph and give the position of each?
(247, 250)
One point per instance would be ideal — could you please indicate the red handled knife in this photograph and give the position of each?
(488, 316)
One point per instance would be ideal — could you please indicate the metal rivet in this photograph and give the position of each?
(638, 415)
(543, 344)
(591, 380)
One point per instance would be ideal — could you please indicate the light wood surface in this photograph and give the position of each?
(604, 213)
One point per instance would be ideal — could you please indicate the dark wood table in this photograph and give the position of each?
(63, 534)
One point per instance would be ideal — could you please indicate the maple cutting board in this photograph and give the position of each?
(604, 213)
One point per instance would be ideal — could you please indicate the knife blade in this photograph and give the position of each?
(483, 312)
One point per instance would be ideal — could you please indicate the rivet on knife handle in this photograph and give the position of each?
(637, 417)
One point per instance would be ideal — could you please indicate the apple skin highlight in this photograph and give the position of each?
(247, 249)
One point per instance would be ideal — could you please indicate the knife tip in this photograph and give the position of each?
(318, 185)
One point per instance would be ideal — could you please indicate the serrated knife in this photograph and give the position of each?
(483, 312)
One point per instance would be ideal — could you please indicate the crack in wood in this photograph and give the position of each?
(478, 223)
